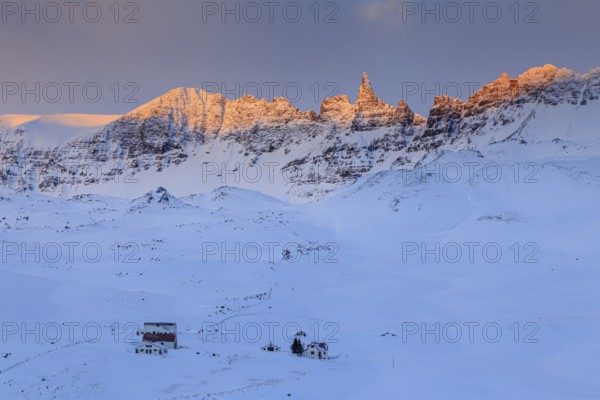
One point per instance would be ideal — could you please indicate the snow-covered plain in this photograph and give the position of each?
(366, 281)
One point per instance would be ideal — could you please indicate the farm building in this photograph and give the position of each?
(150, 348)
(159, 327)
(317, 350)
(271, 347)
(167, 340)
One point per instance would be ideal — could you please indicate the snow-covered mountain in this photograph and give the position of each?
(277, 149)
(448, 257)
(51, 130)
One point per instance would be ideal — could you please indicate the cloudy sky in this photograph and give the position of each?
(94, 57)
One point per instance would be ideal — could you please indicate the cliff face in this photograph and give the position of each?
(372, 113)
(338, 110)
(546, 84)
(368, 113)
(504, 102)
(345, 140)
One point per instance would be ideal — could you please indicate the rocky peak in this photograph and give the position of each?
(406, 116)
(181, 109)
(495, 94)
(372, 113)
(366, 96)
(249, 113)
(368, 112)
(444, 118)
(536, 84)
(207, 113)
(177, 102)
(201, 113)
(159, 197)
(339, 110)
(444, 105)
(185, 123)
(534, 81)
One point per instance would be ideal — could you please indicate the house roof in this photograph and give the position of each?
(320, 346)
(145, 344)
(159, 337)
(270, 345)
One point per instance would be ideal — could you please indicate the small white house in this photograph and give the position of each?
(271, 347)
(317, 350)
(163, 334)
(150, 348)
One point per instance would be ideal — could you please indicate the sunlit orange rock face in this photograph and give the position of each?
(338, 110)
(249, 113)
(210, 114)
(444, 114)
(503, 101)
(535, 84)
(347, 139)
(368, 113)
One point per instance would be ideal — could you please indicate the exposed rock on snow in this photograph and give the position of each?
(188, 127)
(160, 197)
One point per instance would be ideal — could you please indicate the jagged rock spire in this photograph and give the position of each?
(365, 80)
(366, 96)
(372, 113)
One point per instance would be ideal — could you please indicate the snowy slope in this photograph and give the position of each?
(354, 281)
(55, 130)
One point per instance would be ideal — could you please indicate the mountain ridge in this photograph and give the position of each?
(191, 127)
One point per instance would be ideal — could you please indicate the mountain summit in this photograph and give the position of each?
(180, 133)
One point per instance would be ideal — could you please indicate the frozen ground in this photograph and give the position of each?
(368, 276)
